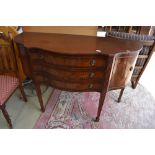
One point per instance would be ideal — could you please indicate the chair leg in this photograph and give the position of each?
(22, 92)
(120, 95)
(6, 115)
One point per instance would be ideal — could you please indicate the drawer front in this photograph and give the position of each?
(68, 60)
(82, 86)
(70, 74)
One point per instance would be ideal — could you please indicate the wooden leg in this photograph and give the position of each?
(101, 102)
(134, 84)
(38, 91)
(105, 87)
(6, 115)
(22, 92)
(120, 95)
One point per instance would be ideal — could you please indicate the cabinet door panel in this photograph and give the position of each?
(122, 70)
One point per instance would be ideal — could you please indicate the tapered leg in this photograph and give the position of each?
(120, 95)
(101, 102)
(134, 84)
(6, 115)
(105, 89)
(23, 93)
(38, 91)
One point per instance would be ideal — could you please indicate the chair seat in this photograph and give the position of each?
(7, 86)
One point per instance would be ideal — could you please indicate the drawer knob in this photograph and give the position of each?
(92, 75)
(90, 86)
(93, 62)
(131, 68)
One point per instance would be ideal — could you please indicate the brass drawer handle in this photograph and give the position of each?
(93, 62)
(90, 86)
(92, 75)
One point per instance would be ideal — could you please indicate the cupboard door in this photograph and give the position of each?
(122, 69)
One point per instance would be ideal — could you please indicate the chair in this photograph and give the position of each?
(143, 58)
(13, 31)
(9, 74)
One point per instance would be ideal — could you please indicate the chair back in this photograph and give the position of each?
(8, 64)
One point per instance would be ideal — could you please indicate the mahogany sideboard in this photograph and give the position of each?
(77, 63)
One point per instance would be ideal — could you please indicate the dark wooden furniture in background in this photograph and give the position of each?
(145, 54)
(127, 29)
(9, 74)
(78, 63)
(144, 30)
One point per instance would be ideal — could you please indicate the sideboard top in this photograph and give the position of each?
(76, 44)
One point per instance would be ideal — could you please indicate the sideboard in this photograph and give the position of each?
(77, 63)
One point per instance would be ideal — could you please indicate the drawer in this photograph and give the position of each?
(83, 86)
(70, 74)
(68, 60)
